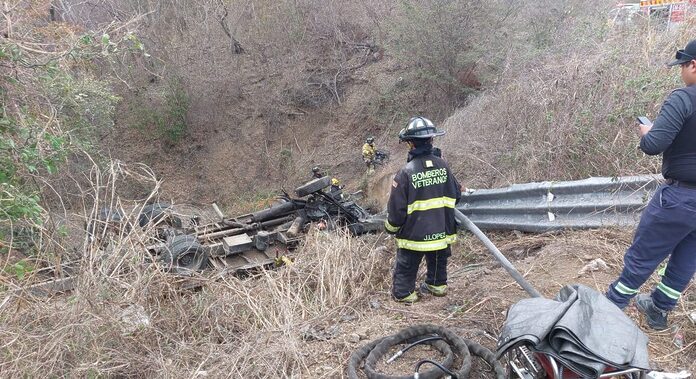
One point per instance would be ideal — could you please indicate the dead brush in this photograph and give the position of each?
(569, 111)
(70, 334)
(281, 310)
(127, 317)
(332, 271)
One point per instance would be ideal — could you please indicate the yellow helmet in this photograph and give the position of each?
(334, 182)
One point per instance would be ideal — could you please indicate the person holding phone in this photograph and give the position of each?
(667, 226)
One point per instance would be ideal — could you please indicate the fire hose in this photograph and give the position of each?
(442, 339)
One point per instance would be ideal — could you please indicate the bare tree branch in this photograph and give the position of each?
(234, 44)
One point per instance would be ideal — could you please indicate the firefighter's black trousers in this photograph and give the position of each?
(406, 270)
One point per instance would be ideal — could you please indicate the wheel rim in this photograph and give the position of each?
(187, 260)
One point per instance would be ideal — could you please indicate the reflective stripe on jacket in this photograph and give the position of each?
(368, 151)
(421, 204)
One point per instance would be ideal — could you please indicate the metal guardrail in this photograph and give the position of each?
(548, 206)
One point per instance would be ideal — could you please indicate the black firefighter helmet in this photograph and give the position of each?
(419, 128)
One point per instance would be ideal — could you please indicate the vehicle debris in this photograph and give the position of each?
(232, 245)
(262, 238)
(134, 318)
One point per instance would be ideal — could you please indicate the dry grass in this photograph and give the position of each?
(562, 112)
(568, 111)
(294, 322)
(253, 327)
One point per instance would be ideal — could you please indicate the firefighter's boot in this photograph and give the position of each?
(657, 318)
(434, 290)
(410, 299)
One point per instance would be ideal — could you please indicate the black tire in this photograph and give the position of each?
(184, 255)
(313, 186)
(357, 211)
(106, 217)
(156, 212)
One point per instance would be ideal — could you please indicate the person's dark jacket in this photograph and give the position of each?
(674, 135)
(421, 203)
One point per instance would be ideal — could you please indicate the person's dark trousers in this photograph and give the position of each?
(667, 226)
(406, 270)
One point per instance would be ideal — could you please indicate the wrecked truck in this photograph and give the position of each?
(258, 239)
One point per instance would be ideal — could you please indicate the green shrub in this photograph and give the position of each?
(436, 39)
(164, 115)
(52, 104)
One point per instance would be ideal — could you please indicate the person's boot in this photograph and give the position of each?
(410, 299)
(657, 318)
(434, 290)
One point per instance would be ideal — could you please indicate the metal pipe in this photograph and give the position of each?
(557, 370)
(274, 211)
(496, 254)
(218, 211)
(247, 228)
(351, 217)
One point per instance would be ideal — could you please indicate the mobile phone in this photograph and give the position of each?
(644, 120)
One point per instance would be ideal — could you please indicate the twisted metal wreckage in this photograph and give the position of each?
(260, 238)
(230, 245)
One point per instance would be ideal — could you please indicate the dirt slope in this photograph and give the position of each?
(243, 151)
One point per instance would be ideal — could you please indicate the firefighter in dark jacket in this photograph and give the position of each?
(421, 213)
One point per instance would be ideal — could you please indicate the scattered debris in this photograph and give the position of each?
(314, 333)
(382, 249)
(666, 375)
(595, 265)
(262, 238)
(362, 333)
(454, 308)
(134, 318)
(678, 339)
(49, 288)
